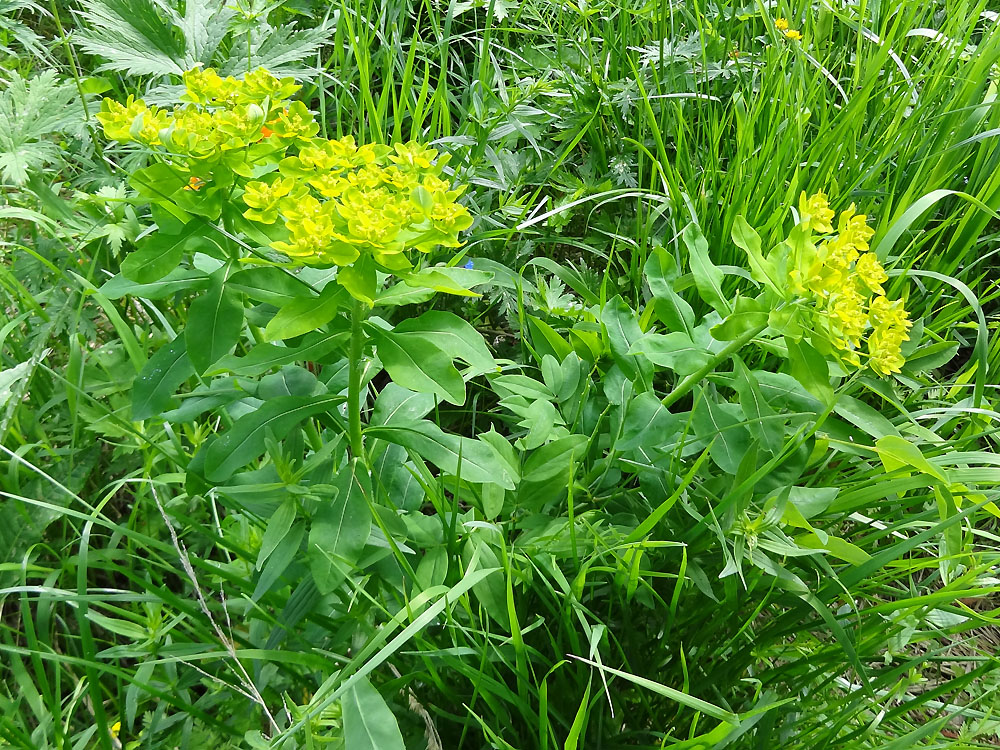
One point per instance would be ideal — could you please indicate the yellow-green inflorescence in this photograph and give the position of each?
(322, 201)
(843, 278)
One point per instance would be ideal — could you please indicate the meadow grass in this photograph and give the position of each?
(627, 609)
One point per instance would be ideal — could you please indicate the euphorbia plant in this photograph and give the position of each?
(300, 248)
(241, 154)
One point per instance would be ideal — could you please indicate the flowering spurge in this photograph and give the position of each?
(832, 284)
(318, 201)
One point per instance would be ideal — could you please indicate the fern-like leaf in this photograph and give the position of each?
(158, 37)
(31, 109)
(151, 37)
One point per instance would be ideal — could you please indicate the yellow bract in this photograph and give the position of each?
(335, 199)
(844, 281)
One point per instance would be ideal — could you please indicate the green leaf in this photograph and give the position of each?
(760, 416)
(340, 528)
(747, 239)
(554, 459)
(453, 335)
(748, 315)
(157, 182)
(835, 546)
(661, 272)
(622, 327)
(448, 279)
(215, 322)
(159, 379)
(717, 424)
(277, 527)
(414, 362)
(397, 404)
(863, 416)
(290, 380)
(278, 561)
(707, 276)
(673, 350)
(159, 253)
(306, 315)
(264, 357)
(359, 279)
(648, 424)
(368, 722)
(810, 368)
(245, 440)
(272, 285)
(403, 294)
(897, 453)
(473, 460)
(178, 280)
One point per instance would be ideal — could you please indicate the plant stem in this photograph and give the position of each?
(695, 377)
(354, 382)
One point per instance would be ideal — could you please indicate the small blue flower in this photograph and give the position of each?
(469, 265)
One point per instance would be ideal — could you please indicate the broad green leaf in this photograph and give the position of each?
(273, 285)
(307, 314)
(931, 357)
(747, 239)
(159, 379)
(157, 181)
(368, 722)
(661, 272)
(648, 424)
(448, 279)
(340, 527)
(359, 279)
(672, 350)
(214, 324)
(707, 276)
(454, 335)
(290, 380)
(414, 362)
(245, 440)
(397, 404)
(403, 294)
(835, 546)
(810, 368)
(277, 526)
(264, 356)
(897, 453)
(473, 460)
(159, 253)
(864, 417)
(546, 340)
(555, 459)
(279, 560)
(178, 280)
(749, 315)
(622, 327)
(761, 418)
(719, 425)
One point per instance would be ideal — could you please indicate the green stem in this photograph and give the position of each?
(695, 377)
(354, 381)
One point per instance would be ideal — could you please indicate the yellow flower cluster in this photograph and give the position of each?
(379, 199)
(336, 199)
(224, 114)
(781, 25)
(844, 279)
